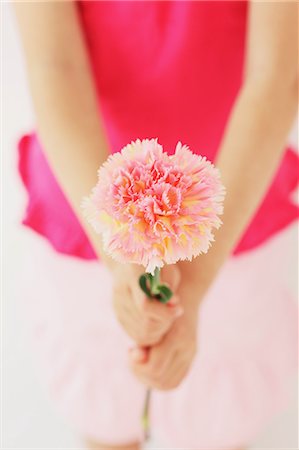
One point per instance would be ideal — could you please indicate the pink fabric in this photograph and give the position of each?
(241, 376)
(170, 70)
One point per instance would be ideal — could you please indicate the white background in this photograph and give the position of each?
(29, 420)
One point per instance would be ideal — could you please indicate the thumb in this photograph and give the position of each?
(138, 354)
(171, 276)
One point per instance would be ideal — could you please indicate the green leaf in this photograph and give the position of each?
(143, 285)
(165, 293)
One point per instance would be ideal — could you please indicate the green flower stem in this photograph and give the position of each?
(154, 290)
(145, 416)
(150, 285)
(155, 282)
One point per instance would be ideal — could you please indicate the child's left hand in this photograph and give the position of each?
(164, 365)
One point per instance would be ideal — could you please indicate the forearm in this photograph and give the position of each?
(65, 100)
(70, 131)
(248, 157)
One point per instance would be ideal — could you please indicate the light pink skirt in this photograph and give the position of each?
(240, 378)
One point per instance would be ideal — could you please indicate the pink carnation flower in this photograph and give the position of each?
(153, 208)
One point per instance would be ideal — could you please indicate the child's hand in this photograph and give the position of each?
(145, 320)
(164, 365)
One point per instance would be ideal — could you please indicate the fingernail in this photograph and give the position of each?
(173, 301)
(137, 354)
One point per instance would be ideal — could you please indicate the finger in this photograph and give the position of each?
(170, 275)
(175, 375)
(122, 301)
(153, 382)
(143, 329)
(129, 325)
(125, 301)
(144, 379)
(128, 316)
(137, 294)
(139, 354)
(128, 305)
(171, 379)
(174, 300)
(142, 332)
(156, 310)
(157, 369)
(140, 335)
(160, 358)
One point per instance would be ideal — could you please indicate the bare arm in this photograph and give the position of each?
(64, 98)
(257, 129)
(69, 125)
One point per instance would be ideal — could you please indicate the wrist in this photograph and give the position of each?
(190, 299)
(195, 278)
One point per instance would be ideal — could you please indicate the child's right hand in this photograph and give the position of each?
(146, 321)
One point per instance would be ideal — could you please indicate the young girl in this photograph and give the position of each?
(222, 78)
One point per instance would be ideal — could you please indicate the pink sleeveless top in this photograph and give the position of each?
(166, 69)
